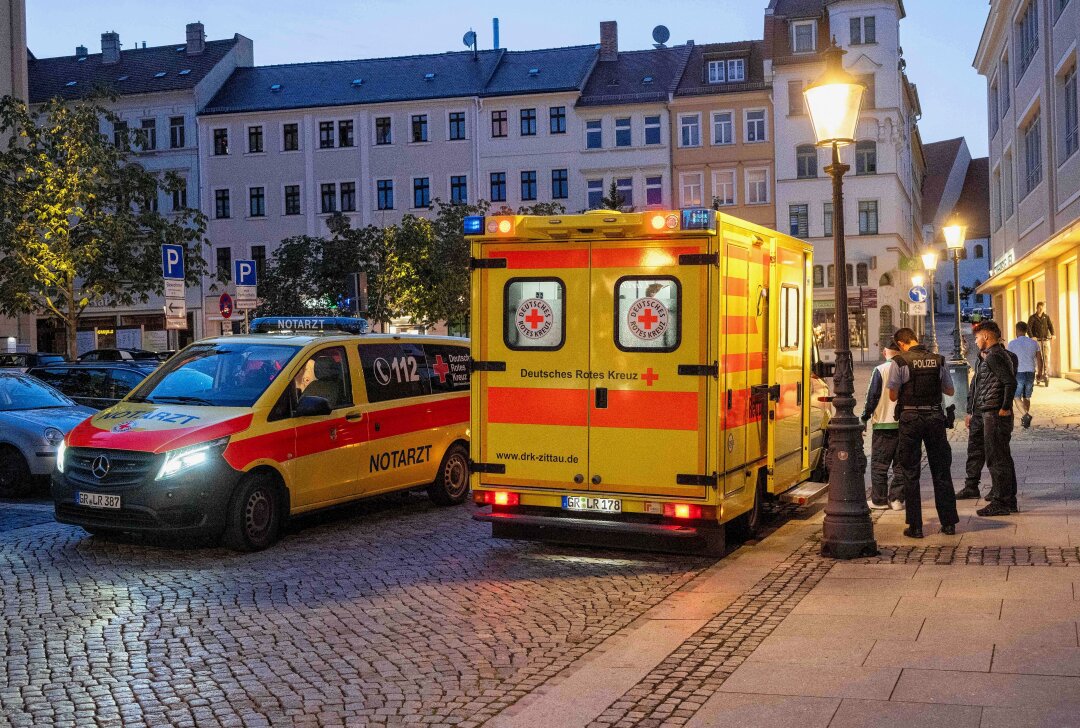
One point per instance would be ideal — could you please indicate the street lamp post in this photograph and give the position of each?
(848, 532)
(955, 239)
(930, 261)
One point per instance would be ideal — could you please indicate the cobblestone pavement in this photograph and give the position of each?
(386, 613)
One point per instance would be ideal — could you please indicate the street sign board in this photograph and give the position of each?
(917, 309)
(174, 288)
(244, 273)
(175, 314)
(225, 306)
(917, 294)
(245, 298)
(172, 262)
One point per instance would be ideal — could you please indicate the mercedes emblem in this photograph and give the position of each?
(100, 467)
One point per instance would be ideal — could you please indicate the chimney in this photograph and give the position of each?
(110, 47)
(495, 31)
(80, 52)
(196, 39)
(609, 40)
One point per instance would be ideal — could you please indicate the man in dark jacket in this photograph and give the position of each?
(1041, 328)
(990, 423)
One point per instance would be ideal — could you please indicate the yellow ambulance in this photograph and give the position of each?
(234, 434)
(640, 375)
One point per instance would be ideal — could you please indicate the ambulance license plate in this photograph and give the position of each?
(596, 505)
(97, 500)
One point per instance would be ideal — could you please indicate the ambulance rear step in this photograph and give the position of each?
(588, 524)
(804, 493)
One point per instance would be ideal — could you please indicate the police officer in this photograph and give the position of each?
(916, 383)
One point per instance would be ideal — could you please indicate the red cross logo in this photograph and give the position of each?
(441, 368)
(650, 376)
(534, 319)
(647, 318)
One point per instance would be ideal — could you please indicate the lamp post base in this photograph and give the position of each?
(848, 531)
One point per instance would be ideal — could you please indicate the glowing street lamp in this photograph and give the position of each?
(955, 239)
(930, 261)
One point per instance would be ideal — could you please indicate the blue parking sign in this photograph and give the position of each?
(244, 273)
(172, 262)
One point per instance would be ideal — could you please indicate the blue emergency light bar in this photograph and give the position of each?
(474, 225)
(309, 325)
(698, 218)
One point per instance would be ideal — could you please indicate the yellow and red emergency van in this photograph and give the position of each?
(640, 374)
(236, 433)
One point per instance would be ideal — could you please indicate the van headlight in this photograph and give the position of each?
(61, 453)
(185, 458)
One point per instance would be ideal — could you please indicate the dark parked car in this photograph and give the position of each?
(97, 385)
(23, 361)
(119, 355)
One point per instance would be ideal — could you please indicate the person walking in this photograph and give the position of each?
(880, 411)
(1041, 328)
(916, 383)
(1029, 361)
(990, 423)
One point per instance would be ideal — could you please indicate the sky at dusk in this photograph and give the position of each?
(939, 37)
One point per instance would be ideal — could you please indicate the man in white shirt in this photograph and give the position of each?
(1029, 360)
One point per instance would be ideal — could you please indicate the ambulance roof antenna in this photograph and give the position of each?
(469, 39)
(660, 34)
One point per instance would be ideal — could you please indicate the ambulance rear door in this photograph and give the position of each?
(652, 367)
(791, 446)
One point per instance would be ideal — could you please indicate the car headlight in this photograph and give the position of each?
(185, 458)
(61, 452)
(53, 436)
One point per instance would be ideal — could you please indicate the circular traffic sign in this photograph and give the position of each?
(917, 294)
(225, 306)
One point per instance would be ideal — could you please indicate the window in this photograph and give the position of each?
(534, 313)
(421, 192)
(995, 112)
(995, 199)
(120, 135)
(689, 130)
(819, 276)
(717, 71)
(757, 186)
(622, 132)
(1032, 154)
(528, 122)
(1069, 109)
(790, 318)
(654, 191)
(292, 199)
(795, 101)
(799, 221)
(221, 205)
(1007, 185)
(978, 251)
(831, 276)
(179, 196)
(257, 202)
(806, 161)
(255, 140)
(595, 189)
(149, 134)
(383, 131)
(1006, 81)
(224, 263)
(560, 184)
(326, 135)
(887, 319)
(804, 37)
(459, 189)
(723, 182)
(868, 217)
(396, 371)
(647, 312)
(528, 185)
(736, 70)
(827, 213)
(328, 197)
(866, 157)
(384, 194)
(723, 127)
(869, 97)
(258, 254)
(557, 119)
(690, 184)
(332, 382)
(850, 274)
(498, 124)
(1059, 6)
(863, 30)
(290, 137)
(625, 187)
(419, 128)
(862, 274)
(755, 126)
(457, 125)
(652, 130)
(348, 197)
(221, 142)
(345, 133)
(1027, 35)
(498, 186)
(593, 134)
(176, 132)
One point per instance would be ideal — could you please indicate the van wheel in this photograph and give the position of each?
(820, 473)
(749, 524)
(452, 481)
(254, 516)
(14, 474)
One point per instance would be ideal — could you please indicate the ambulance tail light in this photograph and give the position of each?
(688, 511)
(664, 221)
(498, 498)
(499, 226)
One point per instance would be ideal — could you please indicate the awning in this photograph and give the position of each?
(1034, 258)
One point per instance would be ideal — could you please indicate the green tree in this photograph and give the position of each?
(614, 199)
(79, 224)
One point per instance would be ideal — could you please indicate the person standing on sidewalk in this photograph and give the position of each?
(1041, 328)
(1029, 360)
(990, 423)
(916, 383)
(880, 411)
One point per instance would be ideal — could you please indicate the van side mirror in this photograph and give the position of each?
(312, 406)
(824, 369)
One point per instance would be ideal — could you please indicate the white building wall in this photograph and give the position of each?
(637, 161)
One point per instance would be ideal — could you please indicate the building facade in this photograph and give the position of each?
(1028, 55)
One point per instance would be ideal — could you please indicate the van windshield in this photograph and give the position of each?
(218, 374)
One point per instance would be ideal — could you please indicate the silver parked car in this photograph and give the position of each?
(34, 419)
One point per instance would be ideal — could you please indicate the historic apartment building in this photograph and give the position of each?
(1028, 54)
(16, 333)
(882, 191)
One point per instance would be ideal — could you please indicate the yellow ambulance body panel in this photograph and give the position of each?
(638, 374)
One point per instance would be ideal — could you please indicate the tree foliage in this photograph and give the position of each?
(79, 224)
